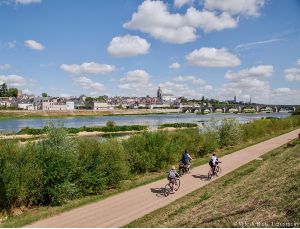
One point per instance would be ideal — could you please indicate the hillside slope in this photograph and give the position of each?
(263, 193)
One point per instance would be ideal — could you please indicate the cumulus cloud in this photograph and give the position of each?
(13, 80)
(182, 89)
(137, 83)
(286, 96)
(259, 71)
(292, 74)
(4, 66)
(180, 3)
(250, 82)
(212, 57)
(34, 45)
(88, 68)
(153, 17)
(127, 46)
(87, 83)
(191, 79)
(236, 7)
(175, 65)
(298, 62)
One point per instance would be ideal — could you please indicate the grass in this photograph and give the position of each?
(34, 214)
(178, 125)
(262, 193)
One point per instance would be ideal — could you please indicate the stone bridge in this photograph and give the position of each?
(239, 108)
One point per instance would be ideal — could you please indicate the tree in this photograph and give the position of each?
(3, 90)
(297, 111)
(12, 92)
(44, 94)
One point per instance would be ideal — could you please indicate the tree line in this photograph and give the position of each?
(8, 92)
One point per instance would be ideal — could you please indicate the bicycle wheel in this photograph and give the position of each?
(218, 169)
(176, 185)
(167, 190)
(209, 175)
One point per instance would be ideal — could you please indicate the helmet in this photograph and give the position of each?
(173, 167)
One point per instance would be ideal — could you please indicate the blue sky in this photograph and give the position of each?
(219, 49)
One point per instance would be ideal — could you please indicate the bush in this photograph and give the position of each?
(229, 132)
(209, 141)
(110, 124)
(57, 157)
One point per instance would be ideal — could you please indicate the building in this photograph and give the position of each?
(70, 105)
(102, 106)
(53, 104)
(169, 98)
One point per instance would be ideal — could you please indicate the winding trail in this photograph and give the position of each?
(121, 209)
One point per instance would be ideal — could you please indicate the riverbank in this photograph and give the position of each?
(137, 157)
(24, 114)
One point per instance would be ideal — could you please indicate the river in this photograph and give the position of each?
(153, 120)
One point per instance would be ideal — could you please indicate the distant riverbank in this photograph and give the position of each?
(24, 114)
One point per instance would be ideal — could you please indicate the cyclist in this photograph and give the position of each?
(213, 162)
(186, 159)
(172, 176)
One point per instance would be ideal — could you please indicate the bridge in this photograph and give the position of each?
(239, 108)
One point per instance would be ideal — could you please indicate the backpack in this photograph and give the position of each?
(211, 162)
(172, 174)
(185, 158)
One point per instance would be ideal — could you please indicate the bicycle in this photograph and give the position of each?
(212, 172)
(184, 169)
(172, 187)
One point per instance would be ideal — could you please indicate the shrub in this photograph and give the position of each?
(110, 124)
(178, 125)
(57, 156)
(229, 132)
(209, 141)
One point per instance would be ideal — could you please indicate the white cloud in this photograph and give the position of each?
(127, 46)
(27, 1)
(88, 68)
(282, 90)
(34, 45)
(180, 3)
(259, 71)
(154, 18)
(286, 96)
(137, 83)
(27, 91)
(4, 66)
(298, 62)
(212, 57)
(182, 89)
(87, 83)
(175, 65)
(192, 79)
(235, 7)
(13, 80)
(292, 74)
(209, 21)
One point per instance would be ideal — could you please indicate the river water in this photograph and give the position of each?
(153, 121)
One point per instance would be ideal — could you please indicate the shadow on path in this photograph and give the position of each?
(158, 191)
(201, 177)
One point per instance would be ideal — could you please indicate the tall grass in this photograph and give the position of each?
(58, 168)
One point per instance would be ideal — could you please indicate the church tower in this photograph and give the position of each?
(159, 93)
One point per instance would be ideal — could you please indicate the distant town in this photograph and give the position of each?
(14, 99)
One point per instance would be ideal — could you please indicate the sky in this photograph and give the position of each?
(193, 48)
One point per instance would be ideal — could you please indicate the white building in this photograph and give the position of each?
(168, 98)
(102, 106)
(70, 105)
(26, 106)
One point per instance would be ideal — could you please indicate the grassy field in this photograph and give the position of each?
(263, 193)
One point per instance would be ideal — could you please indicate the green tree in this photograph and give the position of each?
(12, 92)
(3, 90)
(297, 111)
(44, 94)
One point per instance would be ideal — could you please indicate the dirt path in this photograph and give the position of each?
(121, 209)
